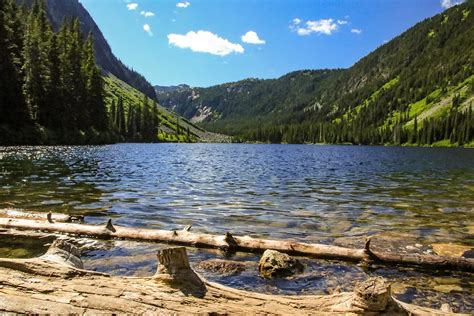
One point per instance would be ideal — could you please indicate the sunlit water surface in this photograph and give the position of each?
(415, 197)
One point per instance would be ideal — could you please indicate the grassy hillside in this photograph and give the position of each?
(173, 128)
(422, 78)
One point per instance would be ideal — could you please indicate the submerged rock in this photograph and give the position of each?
(469, 254)
(451, 250)
(470, 230)
(274, 264)
(223, 267)
(448, 288)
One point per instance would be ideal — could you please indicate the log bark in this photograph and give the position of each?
(52, 217)
(241, 243)
(42, 286)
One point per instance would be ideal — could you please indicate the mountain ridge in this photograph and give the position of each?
(429, 66)
(164, 89)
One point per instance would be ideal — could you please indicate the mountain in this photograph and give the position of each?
(416, 89)
(58, 10)
(240, 105)
(166, 89)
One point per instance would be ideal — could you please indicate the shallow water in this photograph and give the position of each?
(329, 194)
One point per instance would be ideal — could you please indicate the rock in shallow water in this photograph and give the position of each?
(223, 267)
(451, 250)
(274, 264)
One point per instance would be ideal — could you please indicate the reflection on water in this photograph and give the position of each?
(308, 193)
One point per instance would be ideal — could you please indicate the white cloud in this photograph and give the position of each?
(252, 38)
(296, 21)
(323, 26)
(132, 6)
(183, 5)
(342, 22)
(205, 42)
(147, 28)
(449, 3)
(356, 31)
(147, 14)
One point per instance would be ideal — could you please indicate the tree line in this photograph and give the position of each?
(138, 123)
(52, 89)
(455, 128)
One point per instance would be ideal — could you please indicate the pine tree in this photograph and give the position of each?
(34, 68)
(73, 79)
(147, 120)
(50, 113)
(139, 121)
(414, 139)
(112, 114)
(77, 86)
(156, 120)
(13, 107)
(94, 88)
(468, 128)
(120, 118)
(131, 123)
(178, 127)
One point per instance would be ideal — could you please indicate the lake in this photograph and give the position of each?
(325, 194)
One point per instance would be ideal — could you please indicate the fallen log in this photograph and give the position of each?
(228, 242)
(57, 217)
(43, 286)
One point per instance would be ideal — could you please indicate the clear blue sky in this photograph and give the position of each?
(202, 42)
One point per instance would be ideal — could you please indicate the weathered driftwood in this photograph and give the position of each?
(65, 253)
(56, 217)
(40, 285)
(242, 243)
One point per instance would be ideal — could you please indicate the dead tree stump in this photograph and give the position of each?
(372, 295)
(174, 269)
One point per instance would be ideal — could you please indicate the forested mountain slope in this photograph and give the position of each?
(234, 104)
(416, 89)
(52, 90)
(58, 10)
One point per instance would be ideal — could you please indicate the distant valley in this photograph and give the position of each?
(417, 89)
